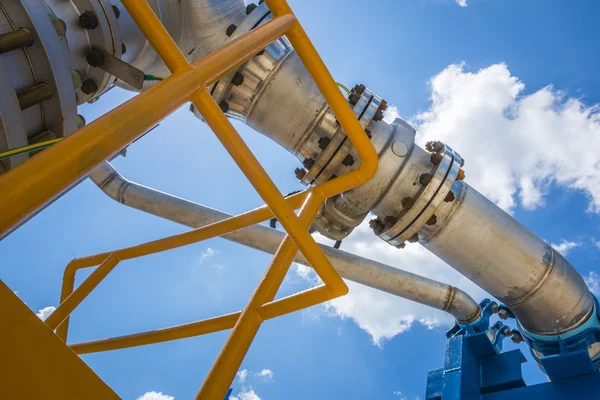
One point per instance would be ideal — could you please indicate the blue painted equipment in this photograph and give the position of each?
(476, 367)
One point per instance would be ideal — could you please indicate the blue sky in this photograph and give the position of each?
(476, 61)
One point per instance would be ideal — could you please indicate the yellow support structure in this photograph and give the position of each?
(31, 185)
(35, 363)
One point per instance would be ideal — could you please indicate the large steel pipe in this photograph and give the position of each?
(358, 269)
(491, 248)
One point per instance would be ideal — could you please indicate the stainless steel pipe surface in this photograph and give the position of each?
(358, 269)
(491, 248)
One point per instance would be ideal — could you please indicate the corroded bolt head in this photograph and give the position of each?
(461, 175)
(450, 197)
(328, 227)
(414, 238)
(354, 97)
(300, 172)
(434, 146)
(308, 163)
(376, 225)
(425, 179)
(407, 203)
(359, 89)
(436, 158)
(390, 220)
(383, 106)
(378, 115)
(401, 246)
(432, 220)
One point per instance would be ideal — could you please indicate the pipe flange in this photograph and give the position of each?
(347, 159)
(237, 91)
(12, 130)
(19, 66)
(420, 210)
(325, 158)
(104, 34)
(48, 59)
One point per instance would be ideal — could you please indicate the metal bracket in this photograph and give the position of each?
(99, 58)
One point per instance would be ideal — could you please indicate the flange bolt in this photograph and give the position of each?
(376, 225)
(425, 179)
(88, 20)
(300, 173)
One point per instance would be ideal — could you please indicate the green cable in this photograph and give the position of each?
(149, 77)
(28, 148)
(341, 85)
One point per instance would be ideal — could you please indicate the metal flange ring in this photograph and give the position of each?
(422, 201)
(435, 202)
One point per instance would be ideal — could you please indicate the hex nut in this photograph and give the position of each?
(425, 179)
(89, 86)
(300, 173)
(308, 163)
(348, 161)
(324, 142)
(407, 203)
(224, 106)
(230, 29)
(450, 197)
(414, 238)
(503, 314)
(250, 7)
(238, 79)
(461, 175)
(436, 158)
(88, 20)
(432, 220)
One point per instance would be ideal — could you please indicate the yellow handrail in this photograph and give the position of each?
(36, 182)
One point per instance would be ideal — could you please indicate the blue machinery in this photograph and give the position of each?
(475, 366)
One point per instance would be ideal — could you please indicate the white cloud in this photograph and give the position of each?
(462, 3)
(391, 114)
(593, 282)
(45, 312)
(399, 394)
(242, 375)
(208, 253)
(245, 394)
(267, 374)
(565, 246)
(515, 145)
(383, 315)
(155, 396)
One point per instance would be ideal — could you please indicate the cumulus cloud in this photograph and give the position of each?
(383, 315)
(208, 253)
(391, 113)
(267, 374)
(242, 375)
(155, 396)
(516, 145)
(45, 312)
(593, 282)
(565, 246)
(462, 3)
(245, 394)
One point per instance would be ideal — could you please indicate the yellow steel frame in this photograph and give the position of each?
(33, 184)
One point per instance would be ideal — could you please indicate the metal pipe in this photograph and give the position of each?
(358, 269)
(491, 248)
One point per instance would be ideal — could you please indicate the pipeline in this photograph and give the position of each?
(355, 268)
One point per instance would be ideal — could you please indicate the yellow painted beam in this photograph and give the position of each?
(36, 364)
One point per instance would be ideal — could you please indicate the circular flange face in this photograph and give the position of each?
(427, 201)
(433, 205)
(105, 36)
(12, 131)
(48, 62)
